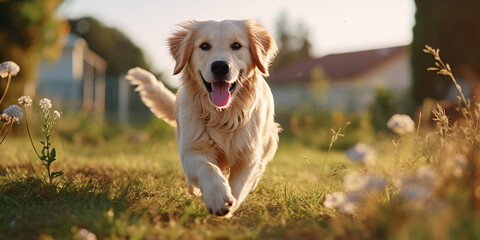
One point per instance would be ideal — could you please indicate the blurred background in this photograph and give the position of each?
(339, 61)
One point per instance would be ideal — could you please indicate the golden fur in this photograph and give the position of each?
(223, 150)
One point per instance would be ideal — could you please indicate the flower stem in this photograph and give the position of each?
(334, 138)
(49, 161)
(325, 160)
(8, 131)
(3, 126)
(450, 74)
(6, 88)
(49, 175)
(28, 131)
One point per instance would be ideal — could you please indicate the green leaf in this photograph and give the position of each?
(53, 155)
(56, 174)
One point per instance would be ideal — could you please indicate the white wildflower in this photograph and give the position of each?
(45, 103)
(84, 234)
(56, 114)
(356, 182)
(423, 176)
(343, 202)
(461, 161)
(351, 203)
(8, 68)
(361, 153)
(417, 193)
(419, 188)
(457, 165)
(349, 207)
(401, 124)
(5, 118)
(25, 101)
(335, 200)
(426, 174)
(14, 111)
(402, 180)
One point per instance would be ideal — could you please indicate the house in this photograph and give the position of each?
(76, 79)
(78, 82)
(341, 82)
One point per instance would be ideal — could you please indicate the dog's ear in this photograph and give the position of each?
(263, 47)
(181, 46)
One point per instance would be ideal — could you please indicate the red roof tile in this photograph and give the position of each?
(336, 66)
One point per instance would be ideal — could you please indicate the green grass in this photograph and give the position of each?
(126, 189)
(130, 185)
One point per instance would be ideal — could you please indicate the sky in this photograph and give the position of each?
(335, 25)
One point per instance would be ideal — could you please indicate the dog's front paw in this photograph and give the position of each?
(218, 199)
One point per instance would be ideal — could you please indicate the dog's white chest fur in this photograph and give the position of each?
(234, 143)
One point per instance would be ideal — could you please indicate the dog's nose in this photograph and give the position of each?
(220, 68)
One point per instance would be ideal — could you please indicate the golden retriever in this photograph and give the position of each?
(223, 112)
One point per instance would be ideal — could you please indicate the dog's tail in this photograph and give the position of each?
(154, 94)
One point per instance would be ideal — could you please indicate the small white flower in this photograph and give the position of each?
(343, 202)
(84, 234)
(7, 68)
(56, 114)
(45, 103)
(350, 206)
(25, 101)
(457, 165)
(417, 193)
(426, 174)
(461, 161)
(402, 180)
(361, 153)
(356, 182)
(419, 188)
(5, 118)
(14, 111)
(401, 124)
(335, 200)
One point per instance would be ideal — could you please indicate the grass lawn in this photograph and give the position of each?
(124, 188)
(131, 186)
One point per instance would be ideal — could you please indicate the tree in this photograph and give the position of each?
(454, 28)
(293, 42)
(28, 30)
(117, 49)
(382, 108)
(121, 54)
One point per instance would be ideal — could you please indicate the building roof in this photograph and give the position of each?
(336, 66)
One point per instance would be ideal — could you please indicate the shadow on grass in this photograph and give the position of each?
(31, 208)
(116, 203)
(113, 203)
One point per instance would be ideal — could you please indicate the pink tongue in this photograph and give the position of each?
(220, 95)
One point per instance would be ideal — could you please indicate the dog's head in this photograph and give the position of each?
(221, 56)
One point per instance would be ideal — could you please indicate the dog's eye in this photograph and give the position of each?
(205, 46)
(236, 46)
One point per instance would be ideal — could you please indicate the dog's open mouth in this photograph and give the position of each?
(220, 92)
